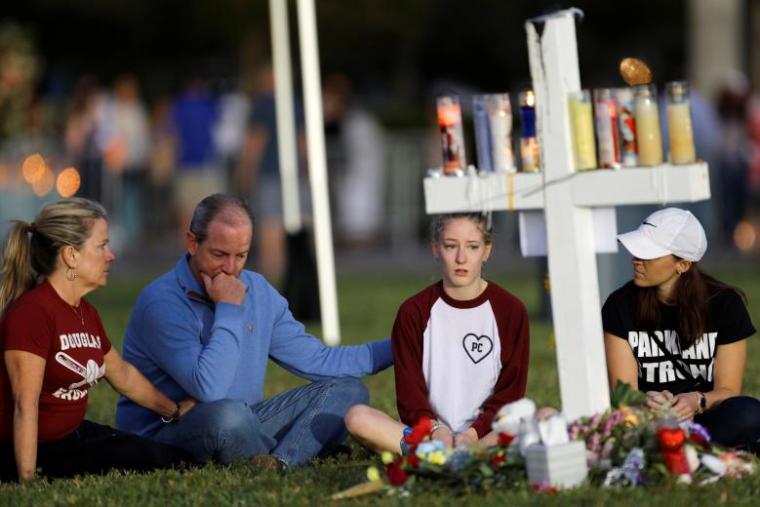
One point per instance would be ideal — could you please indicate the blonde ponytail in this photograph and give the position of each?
(16, 272)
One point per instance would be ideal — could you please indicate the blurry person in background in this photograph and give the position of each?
(258, 177)
(733, 162)
(229, 130)
(126, 148)
(161, 168)
(355, 151)
(193, 115)
(754, 173)
(80, 136)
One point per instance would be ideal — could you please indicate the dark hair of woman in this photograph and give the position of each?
(691, 293)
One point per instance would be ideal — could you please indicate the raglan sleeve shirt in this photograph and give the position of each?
(412, 394)
(512, 319)
(411, 389)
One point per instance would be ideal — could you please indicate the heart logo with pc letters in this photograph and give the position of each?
(477, 347)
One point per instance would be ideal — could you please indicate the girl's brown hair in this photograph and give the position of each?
(481, 220)
(691, 294)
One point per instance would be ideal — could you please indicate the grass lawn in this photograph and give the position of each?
(368, 306)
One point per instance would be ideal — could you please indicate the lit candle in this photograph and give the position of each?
(530, 152)
(452, 135)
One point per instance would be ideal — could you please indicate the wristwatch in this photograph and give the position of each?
(702, 402)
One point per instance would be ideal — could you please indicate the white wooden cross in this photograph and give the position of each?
(567, 198)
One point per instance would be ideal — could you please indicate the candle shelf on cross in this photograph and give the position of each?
(611, 128)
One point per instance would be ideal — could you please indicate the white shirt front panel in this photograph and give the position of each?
(461, 361)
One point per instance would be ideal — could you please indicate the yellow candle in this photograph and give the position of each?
(681, 136)
(582, 125)
(648, 126)
(679, 124)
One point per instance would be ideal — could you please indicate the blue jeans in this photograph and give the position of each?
(735, 422)
(294, 426)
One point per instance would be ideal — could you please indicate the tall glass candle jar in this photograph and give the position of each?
(629, 150)
(452, 135)
(680, 131)
(493, 132)
(582, 125)
(482, 133)
(648, 125)
(606, 123)
(530, 153)
(500, 120)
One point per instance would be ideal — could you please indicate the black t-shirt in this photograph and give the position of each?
(727, 321)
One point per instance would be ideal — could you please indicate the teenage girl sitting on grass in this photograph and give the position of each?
(460, 347)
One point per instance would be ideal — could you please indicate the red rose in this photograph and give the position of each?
(673, 453)
(498, 459)
(420, 431)
(544, 488)
(395, 473)
(671, 439)
(505, 440)
(413, 460)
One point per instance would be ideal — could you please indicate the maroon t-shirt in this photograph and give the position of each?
(71, 340)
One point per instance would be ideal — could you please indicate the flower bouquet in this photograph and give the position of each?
(627, 445)
(470, 468)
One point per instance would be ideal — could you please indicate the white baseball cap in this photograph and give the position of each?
(668, 231)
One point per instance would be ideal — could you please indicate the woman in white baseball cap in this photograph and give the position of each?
(679, 334)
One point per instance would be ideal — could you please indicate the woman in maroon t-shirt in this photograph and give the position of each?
(55, 349)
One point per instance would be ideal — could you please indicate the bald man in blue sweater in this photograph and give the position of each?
(206, 329)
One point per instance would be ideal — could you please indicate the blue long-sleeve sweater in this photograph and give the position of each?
(189, 347)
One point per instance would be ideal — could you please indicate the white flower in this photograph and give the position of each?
(509, 416)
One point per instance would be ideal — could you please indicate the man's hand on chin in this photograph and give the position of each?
(224, 288)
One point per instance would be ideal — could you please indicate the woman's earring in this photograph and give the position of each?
(71, 274)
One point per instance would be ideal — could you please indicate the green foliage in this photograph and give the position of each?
(626, 396)
(368, 307)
